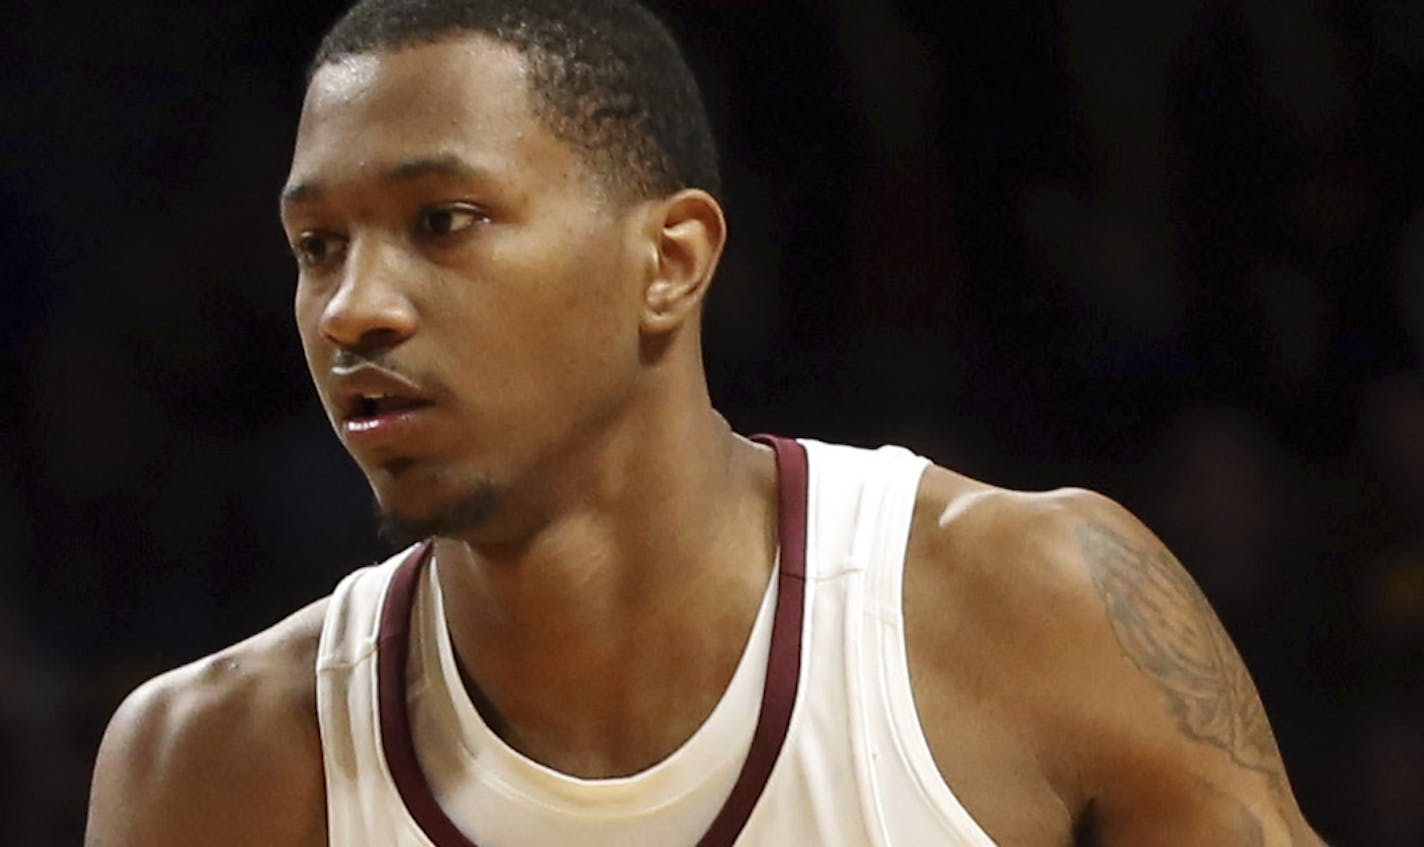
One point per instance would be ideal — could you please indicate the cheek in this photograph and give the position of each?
(560, 333)
(316, 351)
(574, 289)
(595, 322)
(306, 311)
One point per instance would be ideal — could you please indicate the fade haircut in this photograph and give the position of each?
(606, 78)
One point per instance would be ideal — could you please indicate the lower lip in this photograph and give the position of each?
(381, 429)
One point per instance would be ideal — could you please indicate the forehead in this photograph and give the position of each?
(466, 99)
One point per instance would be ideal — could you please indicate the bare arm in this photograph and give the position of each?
(222, 753)
(1071, 678)
(1195, 762)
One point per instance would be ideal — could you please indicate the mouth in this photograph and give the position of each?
(381, 421)
(377, 407)
(372, 407)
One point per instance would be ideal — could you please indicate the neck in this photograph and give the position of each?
(600, 643)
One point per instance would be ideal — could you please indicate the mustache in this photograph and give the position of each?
(349, 363)
(349, 360)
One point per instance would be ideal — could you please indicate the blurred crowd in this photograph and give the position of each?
(1173, 251)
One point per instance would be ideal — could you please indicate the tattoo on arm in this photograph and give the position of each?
(1166, 627)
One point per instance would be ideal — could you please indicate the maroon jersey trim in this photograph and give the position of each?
(783, 673)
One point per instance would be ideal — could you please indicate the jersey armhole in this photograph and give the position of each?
(349, 637)
(891, 677)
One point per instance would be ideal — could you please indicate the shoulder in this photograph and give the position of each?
(1104, 653)
(1040, 594)
(224, 751)
(972, 542)
(1065, 590)
(998, 588)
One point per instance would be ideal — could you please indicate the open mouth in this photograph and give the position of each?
(372, 406)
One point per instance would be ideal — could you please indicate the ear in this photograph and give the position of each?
(689, 234)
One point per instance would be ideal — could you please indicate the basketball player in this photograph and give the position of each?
(624, 624)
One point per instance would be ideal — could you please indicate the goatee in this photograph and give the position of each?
(468, 513)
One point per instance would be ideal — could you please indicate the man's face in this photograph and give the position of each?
(468, 296)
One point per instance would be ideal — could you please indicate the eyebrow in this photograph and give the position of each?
(405, 171)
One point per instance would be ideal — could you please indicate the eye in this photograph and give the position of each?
(313, 249)
(448, 220)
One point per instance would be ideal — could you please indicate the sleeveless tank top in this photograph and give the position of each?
(815, 741)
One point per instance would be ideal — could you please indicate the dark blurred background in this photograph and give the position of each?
(1171, 250)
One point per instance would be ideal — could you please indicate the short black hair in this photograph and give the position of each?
(606, 76)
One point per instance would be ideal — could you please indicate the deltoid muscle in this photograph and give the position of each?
(1165, 625)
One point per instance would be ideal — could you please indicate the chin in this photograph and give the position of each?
(466, 514)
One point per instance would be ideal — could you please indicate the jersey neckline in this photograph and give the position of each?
(704, 765)
(783, 672)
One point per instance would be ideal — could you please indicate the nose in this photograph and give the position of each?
(371, 308)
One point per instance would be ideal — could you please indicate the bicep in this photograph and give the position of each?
(1185, 754)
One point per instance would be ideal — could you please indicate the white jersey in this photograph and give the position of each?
(815, 742)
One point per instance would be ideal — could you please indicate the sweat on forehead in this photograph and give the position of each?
(605, 77)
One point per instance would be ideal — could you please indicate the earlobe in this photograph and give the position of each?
(689, 241)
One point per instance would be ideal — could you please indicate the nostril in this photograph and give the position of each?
(370, 344)
(379, 340)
